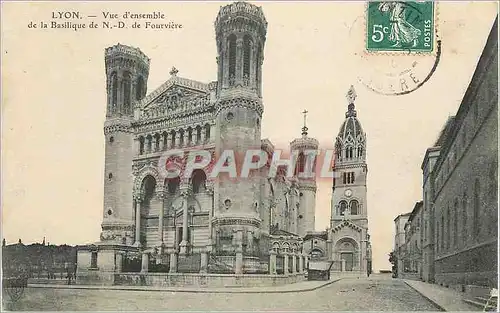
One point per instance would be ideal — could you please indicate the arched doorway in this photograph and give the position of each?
(346, 250)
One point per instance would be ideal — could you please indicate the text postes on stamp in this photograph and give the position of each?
(400, 26)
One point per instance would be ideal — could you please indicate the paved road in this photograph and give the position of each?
(373, 294)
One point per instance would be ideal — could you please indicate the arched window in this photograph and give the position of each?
(354, 207)
(247, 44)
(464, 219)
(181, 137)
(207, 132)
(149, 185)
(299, 168)
(141, 145)
(149, 142)
(360, 152)
(198, 181)
(448, 227)
(173, 185)
(190, 135)
(476, 204)
(157, 142)
(127, 83)
(442, 232)
(172, 139)
(342, 207)
(165, 139)
(139, 88)
(114, 92)
(198, 134)
(455, 223)
(437, 236)
(232, 58)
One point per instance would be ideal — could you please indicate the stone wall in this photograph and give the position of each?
(203, 280)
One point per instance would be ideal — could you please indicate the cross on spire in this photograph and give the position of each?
(174, 71)
(304, 129)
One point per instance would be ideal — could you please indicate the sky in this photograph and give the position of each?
(54, 101)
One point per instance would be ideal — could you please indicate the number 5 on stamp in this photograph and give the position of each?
(400, 26)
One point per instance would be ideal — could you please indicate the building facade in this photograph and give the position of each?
(412, 256)
(460, 186)
(465, 183)
(192, 221)
(400, 241)
(347, 241)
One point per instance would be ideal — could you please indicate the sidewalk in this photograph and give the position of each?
(296, 287)
(444, 298)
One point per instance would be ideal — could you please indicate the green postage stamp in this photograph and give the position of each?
(400, 26)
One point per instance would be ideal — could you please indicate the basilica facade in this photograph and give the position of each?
(195, 222)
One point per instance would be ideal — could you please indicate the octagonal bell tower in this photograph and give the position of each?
(240, 33)
(127, 71)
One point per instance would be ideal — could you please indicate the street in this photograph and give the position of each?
(377, 293)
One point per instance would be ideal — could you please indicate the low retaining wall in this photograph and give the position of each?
(204, 280)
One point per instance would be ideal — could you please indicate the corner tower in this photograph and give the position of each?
(307, 187)
(127, 71)
(240, 30)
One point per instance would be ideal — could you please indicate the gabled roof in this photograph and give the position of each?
(174, 80)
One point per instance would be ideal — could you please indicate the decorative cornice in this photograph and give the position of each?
(251, 104)
(119, 49)
(227, 220)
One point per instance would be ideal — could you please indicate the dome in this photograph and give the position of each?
(351, 126)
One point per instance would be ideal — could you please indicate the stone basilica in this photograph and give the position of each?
(256, 225)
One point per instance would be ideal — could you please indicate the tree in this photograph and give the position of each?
(393, 259)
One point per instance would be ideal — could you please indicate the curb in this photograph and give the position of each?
(182, 290)
(437, 305)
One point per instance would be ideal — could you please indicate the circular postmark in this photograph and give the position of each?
(401, 50)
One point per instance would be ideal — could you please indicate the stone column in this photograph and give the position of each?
(294, 262)
(285, 263)
(168, 144)
(161, 196)
(153, 144)
(239, 252)
(118, 262)
(272, 262)
(239, 61)
(250, 242)
(204, 262)
(239, 262)
(145, 263)
(301, 263)
(177, 139)
(137, 208)
(185, 221)
(173, 262)
(186, 138)
(162, 143)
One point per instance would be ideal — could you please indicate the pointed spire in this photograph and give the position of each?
(304, 129)
(351, 97)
